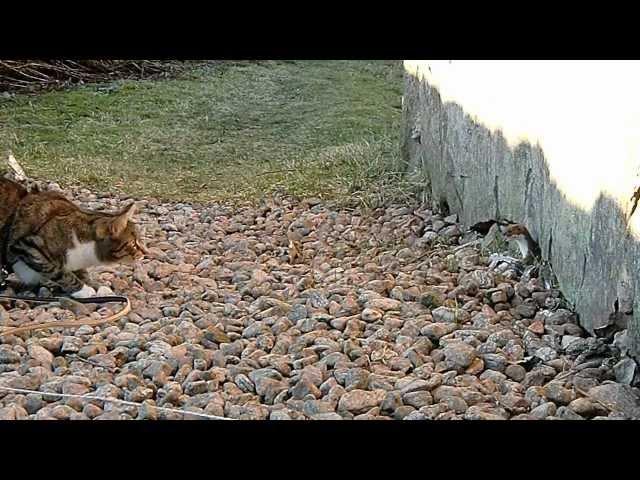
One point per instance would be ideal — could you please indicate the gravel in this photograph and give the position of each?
(367, 321)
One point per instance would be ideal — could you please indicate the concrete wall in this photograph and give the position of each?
(552, 144)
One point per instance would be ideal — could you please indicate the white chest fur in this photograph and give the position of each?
(82, 255)
(524, 247)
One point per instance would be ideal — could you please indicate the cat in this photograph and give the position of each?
(10, 195)
(48, 240)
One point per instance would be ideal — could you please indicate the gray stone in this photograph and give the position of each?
(546, 354)
(449, 315)
(279, 415)
(416, 415)
(360, 401)
(620, 398)
(625, 371)
(483, 278)
(303, 388)
(391, 401)
(526, 310)
(313, 407)
(555, 392)
(451, 231)
(8, 356)
(418, 399)
(586, 408)
(244, 383)
(478, 413)
(459, 354)
(543, 411)
(444, 391)
(455, 404)
(495, 361)
(493, 375)
(566, 413)
(356, 378)
(481, 175)
(575, 348)
(41, 354)
(298, 312)
(451, 219)
(34, 402)
(538, 376)
(326, 416)
(403, 411)
(269, 388)
(568, 340)
(415, 386)
(515, 372)
(435, 331)
(559, 317)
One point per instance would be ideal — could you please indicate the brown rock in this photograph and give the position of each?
(214, 334)
(556, 393)
(476, 367)
(360, 401)
(371, 315)
(515, 372)
(460, 354)
(587, 408)
(537, 327)
(384, 304)
(41, 354)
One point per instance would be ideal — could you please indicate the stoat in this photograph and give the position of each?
(527, 245)
(483, 227)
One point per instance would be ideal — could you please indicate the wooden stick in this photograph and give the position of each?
(582, 392)
(16, 168)
(69, 323)
(112, 400)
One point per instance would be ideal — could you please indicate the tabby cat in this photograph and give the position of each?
(48, 240)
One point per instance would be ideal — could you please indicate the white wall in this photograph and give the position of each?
(585, 115)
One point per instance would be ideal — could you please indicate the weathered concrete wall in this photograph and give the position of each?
(554, 145)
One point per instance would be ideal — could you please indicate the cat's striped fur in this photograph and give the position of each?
(48, 240)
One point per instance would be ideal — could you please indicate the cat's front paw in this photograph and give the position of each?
(85, 292)
(104, 291)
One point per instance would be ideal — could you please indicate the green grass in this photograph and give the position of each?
(308, 128)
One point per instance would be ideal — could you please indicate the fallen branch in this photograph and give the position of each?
(63, 323)
(94, 364)
(37, 74)
(582, 392)
(16, 168)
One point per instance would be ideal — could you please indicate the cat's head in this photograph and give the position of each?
(118, 238)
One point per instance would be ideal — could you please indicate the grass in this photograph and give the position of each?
(327, 129)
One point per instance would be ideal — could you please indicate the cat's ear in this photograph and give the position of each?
(129, 211)
(119, 223)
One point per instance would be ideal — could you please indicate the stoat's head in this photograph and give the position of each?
(516, 231)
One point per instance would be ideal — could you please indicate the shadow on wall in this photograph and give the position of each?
(475, 173)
